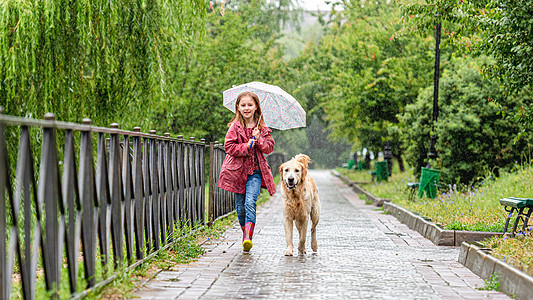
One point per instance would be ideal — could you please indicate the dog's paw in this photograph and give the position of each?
(302, 251)
(288, 252)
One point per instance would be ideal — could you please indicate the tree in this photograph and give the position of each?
(109, 61)
(496, 28)
(473, 139)
(368, 75)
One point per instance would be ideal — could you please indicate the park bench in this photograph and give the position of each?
(373, 174)
(523, 207)
(412, 187)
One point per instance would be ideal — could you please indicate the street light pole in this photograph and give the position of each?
(432, 152)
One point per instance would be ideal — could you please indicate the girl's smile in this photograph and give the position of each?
(247, 108)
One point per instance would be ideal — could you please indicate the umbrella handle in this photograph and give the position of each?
(253, 138)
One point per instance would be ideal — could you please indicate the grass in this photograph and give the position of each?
(186, 249)
(517, 251)
(473, 208)
(493, 284)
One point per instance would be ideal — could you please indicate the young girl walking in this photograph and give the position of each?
(245, 169)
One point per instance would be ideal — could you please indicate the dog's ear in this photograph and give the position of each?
(303, 159)
(304, 171)
(281, 172)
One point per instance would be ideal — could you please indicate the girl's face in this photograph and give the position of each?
(247, 108)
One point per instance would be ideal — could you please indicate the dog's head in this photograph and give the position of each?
(294, 171)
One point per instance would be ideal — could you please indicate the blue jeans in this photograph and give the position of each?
(245, 203)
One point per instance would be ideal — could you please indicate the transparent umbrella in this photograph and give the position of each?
(280, 109)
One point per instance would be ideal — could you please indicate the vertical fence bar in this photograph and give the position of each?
(89, 202)
(192, 176)
(102, 192)
(175, 193)
(181, 179)
(202, 179)
(162, 192)
(128, 197)
(147, 193)
(6, 248)
(186, 177)
(138, 195)
(71, 194)
(168, 186)
(49, 191)
(25, 187)
(116, 196)
(211, 199)
(155, 190)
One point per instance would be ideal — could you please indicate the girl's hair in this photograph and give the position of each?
(238, 117)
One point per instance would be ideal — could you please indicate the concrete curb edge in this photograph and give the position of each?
(359, 190)
(511, 280)
(424, 226)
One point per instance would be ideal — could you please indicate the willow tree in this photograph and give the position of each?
(107, 60)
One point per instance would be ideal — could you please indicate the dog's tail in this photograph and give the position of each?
(304, 159)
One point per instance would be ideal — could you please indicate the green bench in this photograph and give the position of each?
(523, 207)
(373, 174)
(412, 187)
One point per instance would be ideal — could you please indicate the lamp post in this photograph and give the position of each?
(387, 155)
(432, 151)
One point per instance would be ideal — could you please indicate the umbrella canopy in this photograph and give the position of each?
(280, 110)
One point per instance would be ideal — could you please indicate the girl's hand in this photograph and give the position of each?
(256, 133)
(251, 143)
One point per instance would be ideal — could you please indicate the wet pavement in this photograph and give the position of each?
(362, 254)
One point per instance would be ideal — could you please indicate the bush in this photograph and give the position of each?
(474, 136)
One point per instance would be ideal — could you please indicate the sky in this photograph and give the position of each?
(314, 4)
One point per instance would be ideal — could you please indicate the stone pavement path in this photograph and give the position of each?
(362, 254)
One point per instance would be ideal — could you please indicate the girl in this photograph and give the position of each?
(245, 169)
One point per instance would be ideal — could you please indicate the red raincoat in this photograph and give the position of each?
(233, 174)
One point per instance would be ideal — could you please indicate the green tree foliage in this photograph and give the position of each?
(501, 29)
(366, 74)
(106, 60)
(234, 52)
(473, 137)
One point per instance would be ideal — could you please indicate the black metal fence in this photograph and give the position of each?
(110, 207)
(223, 201)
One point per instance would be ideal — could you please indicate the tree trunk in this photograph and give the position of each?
(398, 156)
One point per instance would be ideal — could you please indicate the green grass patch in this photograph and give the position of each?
(183, 251)
(517, 251)
(472, 208)
(493, 284)
(356, 175)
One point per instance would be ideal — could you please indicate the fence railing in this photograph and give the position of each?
(221, 202)
(106, 200)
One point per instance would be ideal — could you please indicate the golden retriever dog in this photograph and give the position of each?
(300, 201)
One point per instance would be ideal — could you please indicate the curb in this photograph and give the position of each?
(511, 280)
(359, 190)
(432, 231)
(424, 226)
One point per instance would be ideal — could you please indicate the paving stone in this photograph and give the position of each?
(362, 254)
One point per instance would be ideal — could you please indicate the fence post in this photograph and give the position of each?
(115, 185)
(155, 191)
(49, 193)
(138, 194)
(202, 179)
(211, 203)
(6, 255)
